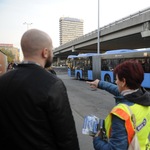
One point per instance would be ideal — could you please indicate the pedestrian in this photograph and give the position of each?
(9, 67)
(14, 65)
(118, 124)
(35, 112)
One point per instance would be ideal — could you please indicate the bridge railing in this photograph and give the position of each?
(107, 26)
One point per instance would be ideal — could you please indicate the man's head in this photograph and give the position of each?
(37, 46)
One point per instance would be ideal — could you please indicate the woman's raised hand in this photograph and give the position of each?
(93, 84)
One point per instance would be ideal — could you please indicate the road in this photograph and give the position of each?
(85, 101)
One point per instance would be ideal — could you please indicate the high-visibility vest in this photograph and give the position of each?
(142, 115)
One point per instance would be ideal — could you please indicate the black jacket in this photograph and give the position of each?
(35, 112)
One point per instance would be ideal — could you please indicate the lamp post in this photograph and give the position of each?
(27, 25)
(98, 42)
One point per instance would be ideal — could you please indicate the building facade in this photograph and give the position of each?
(70, 29)
(15, 51)
(3, 62)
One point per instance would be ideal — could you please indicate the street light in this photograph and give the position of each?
(98, 42)
(27, 25)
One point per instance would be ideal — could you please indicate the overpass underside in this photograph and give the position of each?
(134, 41)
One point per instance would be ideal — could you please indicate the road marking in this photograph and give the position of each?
(78, 114)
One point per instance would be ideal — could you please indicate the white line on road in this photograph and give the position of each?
(78, 114)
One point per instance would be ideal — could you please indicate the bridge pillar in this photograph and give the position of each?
(66, 62)
(146, 29)
(58, 61)
(54, 61)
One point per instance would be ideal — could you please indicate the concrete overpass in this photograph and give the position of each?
(131, 32)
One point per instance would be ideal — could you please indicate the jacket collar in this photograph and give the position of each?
(30, 62)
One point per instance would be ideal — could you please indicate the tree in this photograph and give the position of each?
(9, 54)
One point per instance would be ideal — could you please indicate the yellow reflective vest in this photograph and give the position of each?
(142, 115)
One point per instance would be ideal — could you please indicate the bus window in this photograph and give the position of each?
(104, 65)
(90, 63)
(109, 64)
(116, 62)
(121, 60)
(139, 60)
(147, 65)
(104, 62)
(82, 64)
(77, 64)
(142, 62)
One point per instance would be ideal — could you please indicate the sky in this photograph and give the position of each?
(45, 14)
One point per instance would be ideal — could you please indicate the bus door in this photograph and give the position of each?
(73, 69)
(84, 69)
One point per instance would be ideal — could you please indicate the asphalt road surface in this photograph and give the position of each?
(83, 99)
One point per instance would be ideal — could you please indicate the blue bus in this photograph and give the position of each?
(91, 66)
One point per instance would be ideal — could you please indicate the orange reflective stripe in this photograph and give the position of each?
(125, 116)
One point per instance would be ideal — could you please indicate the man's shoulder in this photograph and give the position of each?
(43, 75)
(6, 77)
(8, 74)
(52, 77)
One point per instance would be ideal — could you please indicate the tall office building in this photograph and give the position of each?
(70, 29)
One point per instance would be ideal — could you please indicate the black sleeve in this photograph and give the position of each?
(61, 118)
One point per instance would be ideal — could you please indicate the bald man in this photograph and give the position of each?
(35, 113)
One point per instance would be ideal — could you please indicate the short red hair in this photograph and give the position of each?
(132, 71)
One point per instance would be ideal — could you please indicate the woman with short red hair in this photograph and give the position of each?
(128, 92)
(132, 72)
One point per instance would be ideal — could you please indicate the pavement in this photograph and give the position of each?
(60, 70)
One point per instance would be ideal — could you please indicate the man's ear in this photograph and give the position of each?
(45, 52)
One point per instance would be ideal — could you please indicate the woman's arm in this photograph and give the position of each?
(109, 87)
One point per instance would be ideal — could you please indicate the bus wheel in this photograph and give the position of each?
(78, 76)
(107, 78)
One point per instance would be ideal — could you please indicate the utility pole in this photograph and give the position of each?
(27, 25)
(98, 42)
